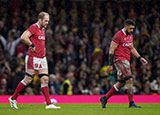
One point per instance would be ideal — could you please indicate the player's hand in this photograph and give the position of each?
(143, 61)
(32, 47)
(110, 69)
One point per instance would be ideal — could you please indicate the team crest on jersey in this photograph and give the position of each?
(36, 65)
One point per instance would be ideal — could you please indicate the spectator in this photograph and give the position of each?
(10, 44)
(66, 87)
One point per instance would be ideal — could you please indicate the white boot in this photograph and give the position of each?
(52, 106)
(13, 103)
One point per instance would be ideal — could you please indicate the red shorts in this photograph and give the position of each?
(122, 67)
(35, 63)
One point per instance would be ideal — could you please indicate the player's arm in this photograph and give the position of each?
(112, 48)
(25, 39)
(134, 51)
(116, 40)
(137, 55)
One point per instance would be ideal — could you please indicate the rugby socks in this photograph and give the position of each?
(113, 90)
(19, 88)
(130, 95)
(45, 91)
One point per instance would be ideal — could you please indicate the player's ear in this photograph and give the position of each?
(40, 20)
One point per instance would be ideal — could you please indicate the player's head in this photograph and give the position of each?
(129, 26)
(43, 19)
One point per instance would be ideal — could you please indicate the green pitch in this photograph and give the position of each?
(81, 109)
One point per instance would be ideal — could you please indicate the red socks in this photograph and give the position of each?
(45, 91)
(111, 91)
(19, 88)
(22, 85)
(114, 90)
(130, 95)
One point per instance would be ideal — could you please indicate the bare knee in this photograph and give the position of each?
(27, 80)
(119, 85)
(120, 82)
(129, 83)
(44, 80)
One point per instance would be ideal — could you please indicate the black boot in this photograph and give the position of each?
(133, 105)
(103, 101)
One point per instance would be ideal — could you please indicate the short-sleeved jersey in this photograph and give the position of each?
(123, 50)
(38, 39)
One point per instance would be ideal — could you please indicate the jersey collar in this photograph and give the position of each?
(123, 31)
(38, 25)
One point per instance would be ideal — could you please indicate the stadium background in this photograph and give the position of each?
(77, 42)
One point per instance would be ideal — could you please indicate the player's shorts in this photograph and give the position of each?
(35, 63)
(122, 67)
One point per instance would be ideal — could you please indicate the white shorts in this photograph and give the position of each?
(35, 63)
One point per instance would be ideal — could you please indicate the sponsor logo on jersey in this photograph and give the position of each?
(126, 44)
(41, 37)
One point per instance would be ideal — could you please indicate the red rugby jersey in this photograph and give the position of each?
(38, 39)
(123, 51)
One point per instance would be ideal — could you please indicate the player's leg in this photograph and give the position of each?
(122, 67)
(126, 71)
(115, 88)
(22, 84)
(129, 84)
(43, 74)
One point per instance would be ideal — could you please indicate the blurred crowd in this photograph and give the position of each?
(77, 42)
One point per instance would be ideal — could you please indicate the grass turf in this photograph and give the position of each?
(81, 109)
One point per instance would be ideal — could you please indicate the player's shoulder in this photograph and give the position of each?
(32, 29)
(120, 32)
(33, 26)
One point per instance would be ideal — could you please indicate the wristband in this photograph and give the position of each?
(32, 45)
(111, 58)
(139, 58)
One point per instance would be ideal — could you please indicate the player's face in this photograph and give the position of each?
(130, 29)
(45, 21)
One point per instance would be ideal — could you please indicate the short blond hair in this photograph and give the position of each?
(42, 14)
